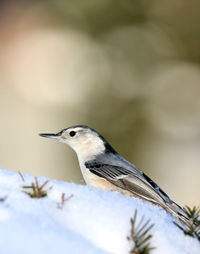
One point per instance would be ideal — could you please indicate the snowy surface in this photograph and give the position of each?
(93, 221)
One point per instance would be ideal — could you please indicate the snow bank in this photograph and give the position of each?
(92, 221)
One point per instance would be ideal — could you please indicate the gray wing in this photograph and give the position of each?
(140, 185)
(137, 183)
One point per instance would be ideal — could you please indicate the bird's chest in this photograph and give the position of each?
(90, 178)
(95, 181)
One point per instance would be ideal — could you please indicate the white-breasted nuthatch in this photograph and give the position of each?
(102, 167)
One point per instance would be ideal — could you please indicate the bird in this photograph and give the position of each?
(104, 168)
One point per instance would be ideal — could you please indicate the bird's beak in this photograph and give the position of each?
(51, 135)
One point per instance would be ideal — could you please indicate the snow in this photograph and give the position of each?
(92, 221)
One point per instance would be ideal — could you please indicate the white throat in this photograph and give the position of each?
(88, 148)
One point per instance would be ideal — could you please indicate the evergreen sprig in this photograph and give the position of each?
(36, 191)
(64, 199)
(193, 227)
(140, 235)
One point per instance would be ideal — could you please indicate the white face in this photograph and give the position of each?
(84, 141)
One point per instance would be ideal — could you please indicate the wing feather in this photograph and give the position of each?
(137, 183)
(127, 179)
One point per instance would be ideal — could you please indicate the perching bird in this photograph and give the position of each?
(102, 167)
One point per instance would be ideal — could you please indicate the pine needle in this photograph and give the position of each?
(193, 229)
(140, 235)
(64, 199)
(36, 191)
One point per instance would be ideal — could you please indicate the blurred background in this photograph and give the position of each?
(128, 68)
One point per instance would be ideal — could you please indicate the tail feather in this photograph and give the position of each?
(178, 212)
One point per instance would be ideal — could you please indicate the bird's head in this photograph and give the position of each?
(86, 142)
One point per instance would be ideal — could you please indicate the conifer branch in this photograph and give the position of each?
(36, 190)
(193, 228)
(140, 235)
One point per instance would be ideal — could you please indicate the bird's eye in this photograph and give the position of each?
(72, 133)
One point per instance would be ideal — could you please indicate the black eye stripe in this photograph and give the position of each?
(72, 133)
